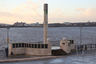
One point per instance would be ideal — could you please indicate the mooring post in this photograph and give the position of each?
(77, 49)
(45, 22)
(83, 49)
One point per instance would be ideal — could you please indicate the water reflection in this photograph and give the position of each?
(56, 61)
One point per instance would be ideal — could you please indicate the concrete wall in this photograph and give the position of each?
(30, 50)
(18, 50)
(34, 51)
(72, 45)
(65, 46)
(10, 48)
(39, 51)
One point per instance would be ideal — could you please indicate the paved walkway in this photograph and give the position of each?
(77, 59)
(23, 57)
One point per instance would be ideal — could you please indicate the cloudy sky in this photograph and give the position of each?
(59, 11)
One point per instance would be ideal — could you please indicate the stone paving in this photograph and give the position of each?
(88, 58)
(24, 57)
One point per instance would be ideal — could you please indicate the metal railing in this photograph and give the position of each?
(85, 47)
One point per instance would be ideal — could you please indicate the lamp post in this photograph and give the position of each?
(81, 47)
(7, 36)
(80, 36)
(7, 41)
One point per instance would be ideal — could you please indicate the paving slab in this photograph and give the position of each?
(26, 58)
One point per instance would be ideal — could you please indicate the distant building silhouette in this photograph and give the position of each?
(19, 24)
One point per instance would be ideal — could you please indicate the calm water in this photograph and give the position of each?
(35, 34)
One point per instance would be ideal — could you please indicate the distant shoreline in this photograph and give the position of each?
(41, 26)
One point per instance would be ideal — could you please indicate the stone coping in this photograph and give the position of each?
(27, 59)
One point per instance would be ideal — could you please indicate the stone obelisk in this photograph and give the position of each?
(45, 23)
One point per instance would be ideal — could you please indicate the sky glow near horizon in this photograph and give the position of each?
(59, 11)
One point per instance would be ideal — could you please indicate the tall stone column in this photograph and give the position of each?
(45, 22)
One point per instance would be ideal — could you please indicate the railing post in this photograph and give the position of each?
(95, 46)
(91, 46)
(85, 47)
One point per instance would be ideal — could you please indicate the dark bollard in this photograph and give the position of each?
(91, 46)
(6, 49)
(85, 47)
(81, 47)
(78, 49)
(11, 53)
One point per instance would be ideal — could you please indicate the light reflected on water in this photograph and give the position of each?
(56, 61)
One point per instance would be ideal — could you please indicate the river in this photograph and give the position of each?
(35, 34)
